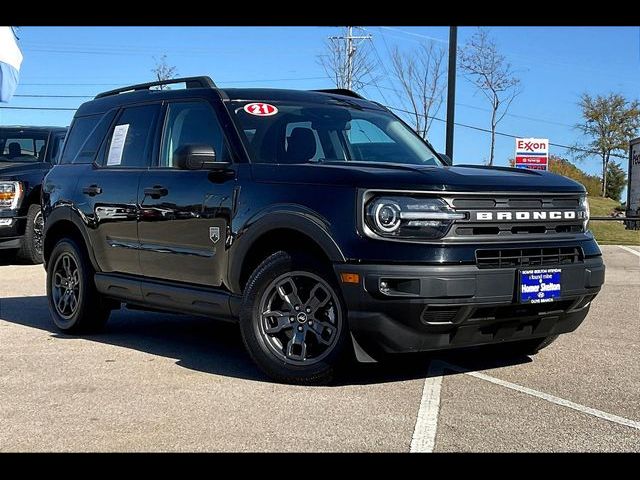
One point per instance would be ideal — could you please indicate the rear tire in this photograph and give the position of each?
(31, 247)
(74, 303)
(304, 340)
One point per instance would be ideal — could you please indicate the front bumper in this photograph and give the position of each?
(11, 235)
(439, 307)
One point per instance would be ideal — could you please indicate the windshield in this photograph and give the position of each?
(287, 132)
(18, 145)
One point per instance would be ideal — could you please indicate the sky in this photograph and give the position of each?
(555, 66)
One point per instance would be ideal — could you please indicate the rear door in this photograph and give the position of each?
(110, 188)
(185, 214)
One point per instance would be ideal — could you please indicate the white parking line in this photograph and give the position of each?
(558, 401)
(630, 250)
(549, 398)
(424, 433)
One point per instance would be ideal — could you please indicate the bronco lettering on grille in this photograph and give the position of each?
(529, 215)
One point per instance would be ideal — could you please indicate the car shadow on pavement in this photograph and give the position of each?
(418, 365)
(9, 257)
(215, 347)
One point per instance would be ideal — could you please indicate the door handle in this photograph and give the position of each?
(156, 191)
(92, 190)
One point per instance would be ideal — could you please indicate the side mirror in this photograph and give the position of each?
(198, 157)
(445, 159)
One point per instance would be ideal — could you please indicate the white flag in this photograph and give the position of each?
(10, 61)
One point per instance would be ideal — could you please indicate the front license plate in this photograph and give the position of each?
(540, 285)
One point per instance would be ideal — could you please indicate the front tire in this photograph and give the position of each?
(31, 247)
(293, 321)
(74, 303)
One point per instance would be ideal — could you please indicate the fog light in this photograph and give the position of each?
(6, 222)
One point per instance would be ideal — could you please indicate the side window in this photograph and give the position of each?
(80, 129)
(191, 123)
(302, 143)
(130, 140)
(27, 146)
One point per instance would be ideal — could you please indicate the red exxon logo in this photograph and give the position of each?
(530, 146)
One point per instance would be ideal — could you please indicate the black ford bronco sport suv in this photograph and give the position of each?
(316, 219)
(26, 155)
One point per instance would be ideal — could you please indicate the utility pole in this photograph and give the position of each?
(350, 51)
(451, 89)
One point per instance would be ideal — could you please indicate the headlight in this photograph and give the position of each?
(10, 194)
(584, 202)
(409, 217)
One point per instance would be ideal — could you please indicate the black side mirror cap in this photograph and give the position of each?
(445, 159)
(198, 157)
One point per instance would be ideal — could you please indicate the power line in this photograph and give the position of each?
(503, 134)
(72, 84)
(141, 52)
(426, 37)
(218, 81)
(524, 117)
(381, 63)
(464, 125)
(38, 108)
(527, 60)
(53, 96)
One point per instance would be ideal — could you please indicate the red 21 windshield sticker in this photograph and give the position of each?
(260, 109)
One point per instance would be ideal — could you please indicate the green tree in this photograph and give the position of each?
(616, 180)
(609, 122)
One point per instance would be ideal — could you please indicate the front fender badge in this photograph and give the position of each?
(214, 234)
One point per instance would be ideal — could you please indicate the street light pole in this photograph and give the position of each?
(451, 89)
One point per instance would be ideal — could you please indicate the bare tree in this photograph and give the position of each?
(163, 71)
(485, 67)
(421, 76)
(348, 63)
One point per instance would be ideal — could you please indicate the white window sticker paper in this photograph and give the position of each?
(117, 144)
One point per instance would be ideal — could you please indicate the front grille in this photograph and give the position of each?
(520, 311)
(521, 224)
(528, 257)
(505, 201)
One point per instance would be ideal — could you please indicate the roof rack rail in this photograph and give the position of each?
(191, 82)
(340, 91)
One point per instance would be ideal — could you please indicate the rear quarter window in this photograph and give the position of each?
(85, 138)
(81, 128)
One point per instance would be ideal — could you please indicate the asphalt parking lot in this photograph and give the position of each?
(156, 382)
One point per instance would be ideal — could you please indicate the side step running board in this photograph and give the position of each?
(169, 296)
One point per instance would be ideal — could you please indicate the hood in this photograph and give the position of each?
(12, 169)
(471, 178)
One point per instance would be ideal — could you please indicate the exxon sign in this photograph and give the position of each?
(532, 153)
